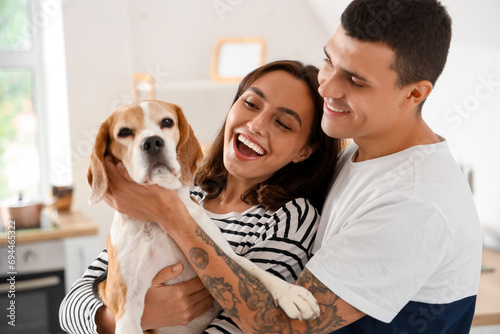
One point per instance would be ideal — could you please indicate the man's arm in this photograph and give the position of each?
(247, 300)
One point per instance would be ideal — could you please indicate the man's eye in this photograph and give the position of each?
(125, 132)
(167, 123)
(354, 83)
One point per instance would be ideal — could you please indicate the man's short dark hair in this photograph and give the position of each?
(418, 31)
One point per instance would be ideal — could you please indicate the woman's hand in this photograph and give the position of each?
(165, 305)
(147, 203)
(174, 305)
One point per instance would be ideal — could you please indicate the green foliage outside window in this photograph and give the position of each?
(14, 25)
(16, 87)
(15, 98)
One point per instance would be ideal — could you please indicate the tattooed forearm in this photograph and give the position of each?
(199, 257)
(223, 294)
(329, 318)
(267, 318)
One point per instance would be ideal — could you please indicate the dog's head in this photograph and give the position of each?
(153, 140)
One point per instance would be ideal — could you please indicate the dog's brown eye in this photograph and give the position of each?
(167, 123)
(125, 132)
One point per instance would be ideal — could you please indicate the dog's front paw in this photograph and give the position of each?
(297, 302)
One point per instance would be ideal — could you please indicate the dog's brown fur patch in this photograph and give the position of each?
(113, 291)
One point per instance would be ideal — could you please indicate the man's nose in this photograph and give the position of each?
(331, 84)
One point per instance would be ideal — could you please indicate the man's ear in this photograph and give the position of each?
(418, 92)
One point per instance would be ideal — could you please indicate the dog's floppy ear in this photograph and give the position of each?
(96, 175)
(189, 153)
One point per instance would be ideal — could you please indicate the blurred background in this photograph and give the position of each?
(65, 65)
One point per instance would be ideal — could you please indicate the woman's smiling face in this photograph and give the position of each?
(268, 127)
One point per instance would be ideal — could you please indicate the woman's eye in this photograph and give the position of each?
(250, 104)
(283, 125)
(167, 123)
(125, 132)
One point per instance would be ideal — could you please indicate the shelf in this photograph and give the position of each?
(66, 225)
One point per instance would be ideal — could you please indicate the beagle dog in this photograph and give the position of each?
(157, 146)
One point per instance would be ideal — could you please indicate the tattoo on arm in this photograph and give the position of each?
(223, 294)
(268, 318)
(199, 257)
(329, 319)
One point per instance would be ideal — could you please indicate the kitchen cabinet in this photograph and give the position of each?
(37, 268)
(77, 235)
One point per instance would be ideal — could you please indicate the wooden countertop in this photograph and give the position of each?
(488, 297)
(65, 225)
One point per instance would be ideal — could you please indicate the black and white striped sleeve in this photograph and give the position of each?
(78, 309)
(282, 249)
(287, 244)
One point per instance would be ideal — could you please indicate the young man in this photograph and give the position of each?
(400, 239)
(399, 244)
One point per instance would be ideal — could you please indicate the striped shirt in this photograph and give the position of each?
(279, 242)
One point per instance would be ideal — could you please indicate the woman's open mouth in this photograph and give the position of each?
(248, 148)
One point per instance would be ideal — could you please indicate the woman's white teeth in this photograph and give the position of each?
(251, 145)
(335, 109)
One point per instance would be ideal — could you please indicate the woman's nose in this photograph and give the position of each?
(259, 124)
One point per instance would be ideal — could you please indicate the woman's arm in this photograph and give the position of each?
(80, 305)
(241, 295)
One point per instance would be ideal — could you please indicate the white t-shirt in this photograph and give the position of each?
(396, 229)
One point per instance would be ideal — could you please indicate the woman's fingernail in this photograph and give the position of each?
(177, 267)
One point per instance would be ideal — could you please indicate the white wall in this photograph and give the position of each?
(99, 73)
(176, 42)
(465, 105)
(179, 39)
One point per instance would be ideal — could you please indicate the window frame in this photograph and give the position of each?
(32, 60)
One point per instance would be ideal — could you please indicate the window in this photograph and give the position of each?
(21, 144)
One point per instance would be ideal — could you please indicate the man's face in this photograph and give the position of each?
(362, 100)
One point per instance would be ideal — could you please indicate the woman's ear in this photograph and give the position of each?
(304, 154)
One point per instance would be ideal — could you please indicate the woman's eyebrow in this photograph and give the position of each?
(258, 92)
(291, 113)
(280, 109)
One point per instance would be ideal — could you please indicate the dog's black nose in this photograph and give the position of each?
(152, 145)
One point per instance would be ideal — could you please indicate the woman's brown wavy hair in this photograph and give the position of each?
(310, 178)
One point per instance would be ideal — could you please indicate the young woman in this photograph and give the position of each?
(263, 183)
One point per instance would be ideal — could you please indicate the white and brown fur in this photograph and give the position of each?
(161, 149)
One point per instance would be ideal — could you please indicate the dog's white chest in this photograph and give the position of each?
(144, 249)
